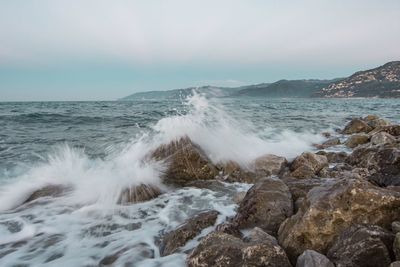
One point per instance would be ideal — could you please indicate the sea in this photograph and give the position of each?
(97, 149)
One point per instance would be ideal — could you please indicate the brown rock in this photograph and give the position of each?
(140, 193)
(331, 142)
(336, 157)
(266, 205)
(186, 162)
(396, 246)
(177, 238)
(382, 138)
(356, 126)
(396, 227)
(395, 264)
(333, 207)
(220, 250)
(390, 129)
(307, 165)
(299, 188)
(233, 172)
(269, 164)
(359, 245)
(356, 140)
(48, 191)
(311, 258)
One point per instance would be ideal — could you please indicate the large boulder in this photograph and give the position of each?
(269, 164)
(334, 157)
(356, 126)
(311, 258)
(140, 193)
(266, 205)
(186, 162)
(390, 129)
(219, 250)
(307, 165)
(333, 207)
(359, 245)
(356, 140)
(177, 238)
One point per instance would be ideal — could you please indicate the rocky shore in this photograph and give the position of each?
(324, 208)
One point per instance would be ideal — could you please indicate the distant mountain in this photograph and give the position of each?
(383, 81)
(211, 91)
(285, 88)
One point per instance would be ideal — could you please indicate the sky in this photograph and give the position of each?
(105, 50)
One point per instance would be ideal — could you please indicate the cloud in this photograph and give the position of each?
(186, 32)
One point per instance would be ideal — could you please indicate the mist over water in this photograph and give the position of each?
(99, 148)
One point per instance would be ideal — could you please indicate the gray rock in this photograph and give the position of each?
(356, 126)
(396, 246)
(395, 227)
(360, 245)
(395, 264)
(311, 258)
(382, 138)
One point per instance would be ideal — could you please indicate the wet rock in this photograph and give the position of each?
(333, 207)
(331, 142)
(237, 198)
(229, 228)
(220, 249)
(300, 187)
(140, 193)
(141, 250)
(311, 258)
(395, 227)
(334, 157)
(362, 246)
(382, 138)
(356, 126)
(186, 162)
(395, 264)
(48, 191)
(356, 140)
(177, 238)
(396, 246)
(266, 205)
(307, 165)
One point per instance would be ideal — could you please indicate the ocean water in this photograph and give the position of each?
(99, 148)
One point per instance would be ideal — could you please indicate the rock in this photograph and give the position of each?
(356, 126)
(331, 142)
(299, 187)
(266, 205)
(396, 246)
(383, 163)
(382, 138)
(356, 140)
(220, 249)
(269, 164)
(177, 238)
(307, 165)
(237, 198)
(362, 246)
(370, 117)
(186, 162)
(140, 193)
(378, 123)
(395, 264)
(395, 227)
(390, 129)
(52, 190)
(333, 207)
(311, 258)
(335, 157)
(326, 134)
(232, 172)
(229, 228)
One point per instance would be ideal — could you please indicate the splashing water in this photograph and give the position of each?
(85, 226)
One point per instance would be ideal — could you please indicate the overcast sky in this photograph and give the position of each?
(104, 50)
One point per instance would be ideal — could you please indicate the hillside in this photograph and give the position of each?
(383, 81)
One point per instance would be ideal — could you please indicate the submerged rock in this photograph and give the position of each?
(266, 205)
(356, 140)
(356, 126)
(311, 258)
(48, 191)
(220, 250)
(307, 165)
(333, 207)
(360, 245)
(140, 193)
(177, 238)
(186, 162)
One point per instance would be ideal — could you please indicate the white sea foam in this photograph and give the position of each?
(86, 224)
